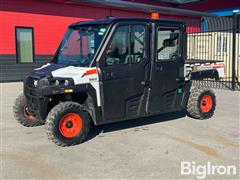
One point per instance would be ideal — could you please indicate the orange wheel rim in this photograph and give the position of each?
(206, 103)
(70, 125)
(27, 114)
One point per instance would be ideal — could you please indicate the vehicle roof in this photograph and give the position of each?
(114, 20)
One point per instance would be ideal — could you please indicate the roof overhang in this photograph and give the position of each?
(145, 7)
(226, 12)
(178, 2)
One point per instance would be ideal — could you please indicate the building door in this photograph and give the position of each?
(24, 45)
(124, 67)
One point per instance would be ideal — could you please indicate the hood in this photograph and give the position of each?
(80, 75)
(69, 72)
(46, 70)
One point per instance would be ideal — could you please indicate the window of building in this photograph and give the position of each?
(167, 44)
(24, 45)
(221, 44)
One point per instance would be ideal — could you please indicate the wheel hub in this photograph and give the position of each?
(70, 125)
(206, 103)
(27, 114)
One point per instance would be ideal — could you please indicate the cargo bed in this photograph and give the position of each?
(205, 68)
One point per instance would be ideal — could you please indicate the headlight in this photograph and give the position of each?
(57, 82)
(66, 82)
(61, 82)
(43, 82)
(35, 83)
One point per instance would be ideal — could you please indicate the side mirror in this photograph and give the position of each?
(169, 43)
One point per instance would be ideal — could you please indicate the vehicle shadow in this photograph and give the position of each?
(96, 130)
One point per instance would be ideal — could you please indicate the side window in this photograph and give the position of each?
(117, 51)
(138, 40)
(167, 44)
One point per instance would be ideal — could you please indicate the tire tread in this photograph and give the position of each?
(193, 109)
(53, 116)
(18, 114)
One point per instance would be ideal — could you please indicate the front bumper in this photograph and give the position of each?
(37, 102)
(41, 91)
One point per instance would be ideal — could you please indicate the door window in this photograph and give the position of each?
(123, 41)
(24, 43)
(118, 49)
(167, 44)
(138, 43)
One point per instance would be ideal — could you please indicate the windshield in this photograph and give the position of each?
(80, 45)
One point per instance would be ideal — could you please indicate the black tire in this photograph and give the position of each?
(55, 119)
(197, 107)
(22, 115)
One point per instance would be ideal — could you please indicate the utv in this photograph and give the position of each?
(111, 70)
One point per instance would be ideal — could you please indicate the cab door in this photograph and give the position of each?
(124, 66)
(167, 67)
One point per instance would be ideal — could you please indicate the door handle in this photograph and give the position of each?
(159, 68)
(109, 74)
(146, 83)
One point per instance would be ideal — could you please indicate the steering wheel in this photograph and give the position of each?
(90, 56)
(86, 59)
(174, 56)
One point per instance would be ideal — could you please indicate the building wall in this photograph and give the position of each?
(49, 21)
(210, 5)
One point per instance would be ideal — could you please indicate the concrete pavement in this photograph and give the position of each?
(138, 149)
